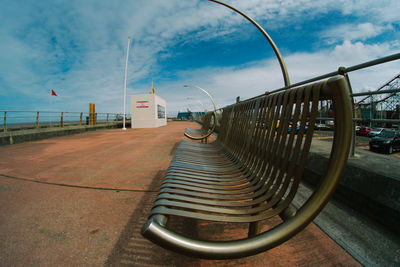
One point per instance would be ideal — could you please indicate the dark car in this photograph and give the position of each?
(363, 131)
(387, 141)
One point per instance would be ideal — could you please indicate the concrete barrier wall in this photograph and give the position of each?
(368, 189)
(15, 137)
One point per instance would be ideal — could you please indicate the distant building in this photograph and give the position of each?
(148, 111)
(188, 115)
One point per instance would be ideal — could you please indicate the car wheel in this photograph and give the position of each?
(390, 150)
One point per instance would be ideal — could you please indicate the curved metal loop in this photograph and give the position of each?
(266, 35)
(214, 115)
(210, 132)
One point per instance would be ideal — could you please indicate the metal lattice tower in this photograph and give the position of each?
(385, 101)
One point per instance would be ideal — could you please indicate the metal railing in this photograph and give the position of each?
(11, 120)
(344, 72)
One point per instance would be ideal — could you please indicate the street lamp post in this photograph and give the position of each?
(126, 69)
(197, 87)
(201, 103)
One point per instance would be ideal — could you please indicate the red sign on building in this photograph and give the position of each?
(142, 104)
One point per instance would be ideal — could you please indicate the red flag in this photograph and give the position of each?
(53, 93)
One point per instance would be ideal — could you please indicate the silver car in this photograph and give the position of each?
(375, 132)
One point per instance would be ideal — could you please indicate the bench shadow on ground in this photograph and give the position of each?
(132, 249)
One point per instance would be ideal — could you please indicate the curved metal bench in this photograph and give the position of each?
(251, 173)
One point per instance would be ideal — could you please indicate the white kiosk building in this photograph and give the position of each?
(148, 111)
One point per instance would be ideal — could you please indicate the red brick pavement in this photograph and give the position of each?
(81, 201)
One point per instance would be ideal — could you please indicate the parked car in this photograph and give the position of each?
(321, 127)
(363, 131)
(330, 124)
(387, 141)
(375, 132)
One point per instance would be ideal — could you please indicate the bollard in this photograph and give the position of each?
(5, 121)
(92, 119)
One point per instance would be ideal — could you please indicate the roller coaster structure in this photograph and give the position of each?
(383, 103)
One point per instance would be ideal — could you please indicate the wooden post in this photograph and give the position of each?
(62, 119)
(37, 119)
(81, 118)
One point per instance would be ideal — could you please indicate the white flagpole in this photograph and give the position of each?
(126, 69)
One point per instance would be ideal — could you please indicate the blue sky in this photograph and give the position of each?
(78, 49)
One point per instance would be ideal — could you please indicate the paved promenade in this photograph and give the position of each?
(81, 200)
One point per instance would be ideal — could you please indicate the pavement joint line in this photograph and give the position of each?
(77, 186)
(323, 137)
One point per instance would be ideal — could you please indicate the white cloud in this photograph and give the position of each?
(352, 32)
(358, 51)
(250, 80)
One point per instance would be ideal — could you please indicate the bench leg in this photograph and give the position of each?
(288, 213)
(254, 229)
